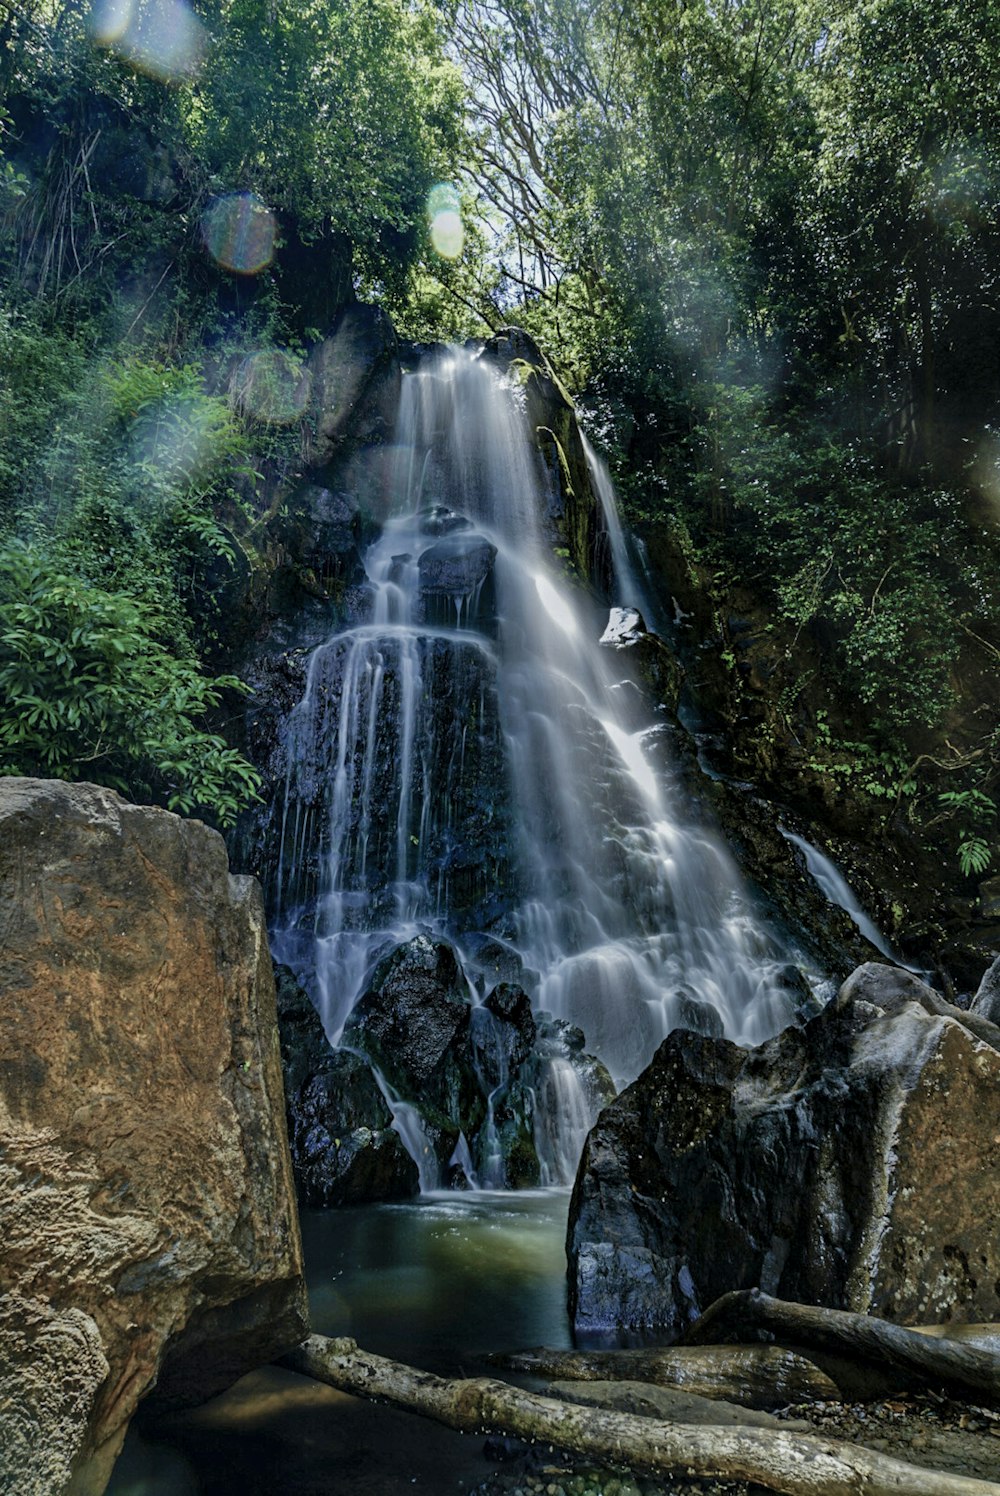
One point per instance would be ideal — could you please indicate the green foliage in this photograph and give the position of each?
(974, 810)
(343, 114)
(89, 690)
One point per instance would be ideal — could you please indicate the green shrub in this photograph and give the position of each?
(88, 691)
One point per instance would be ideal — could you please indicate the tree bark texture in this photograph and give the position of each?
(960, 1366)
(795, 1464)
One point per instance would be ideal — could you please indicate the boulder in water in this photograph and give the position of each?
(148, 1229)
(344, 1148)
(851, 1163)
(456, 580)
(413, 1023)
(440, 520)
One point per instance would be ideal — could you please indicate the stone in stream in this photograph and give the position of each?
(456, 580)
(148, 1229)
(853, 1163)
(344, 1148)
(413, 1023)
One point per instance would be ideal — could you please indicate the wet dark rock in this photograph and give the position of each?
(511, 1005)
(851, 1162)
(344, 1149)
(492, 960)
(413, 1023)
(502, 1034)
(456, 580)
(698, 1017)
(986, 1002)
(575, 519)
(514, 1121)
(651, 663)
(459, 772)
(444, 521)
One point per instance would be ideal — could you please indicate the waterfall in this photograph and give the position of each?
(469, 759)
(834, 887)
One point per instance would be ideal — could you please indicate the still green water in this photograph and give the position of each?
(438, 1283)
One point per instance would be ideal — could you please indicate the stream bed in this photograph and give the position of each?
(438, 1282)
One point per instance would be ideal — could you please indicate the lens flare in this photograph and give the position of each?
(239, 232)
(160, 37)
(445, 215)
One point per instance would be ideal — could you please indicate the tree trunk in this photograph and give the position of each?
(959, 1365)
(756, 1376)
(796, 1464)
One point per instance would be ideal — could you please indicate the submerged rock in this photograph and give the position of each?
(344, 1148)
(148, 1230)
(852, 1162)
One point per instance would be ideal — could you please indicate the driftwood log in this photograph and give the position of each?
(795, 1464)
(755, 1376)
(958, 1365)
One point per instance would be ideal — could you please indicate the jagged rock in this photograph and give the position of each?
(652, 665)
(852, 1163)
(148, 1230)
(413, 1023)
(492, 960)
(456, 580)
(503, 1033)
(344, 1148)
(575, 520)
(986, 1002)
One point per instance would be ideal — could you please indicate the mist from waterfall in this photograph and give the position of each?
(490, 717)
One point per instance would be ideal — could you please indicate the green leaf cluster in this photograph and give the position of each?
(90, 690)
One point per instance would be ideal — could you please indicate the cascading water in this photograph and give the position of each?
(469, 760)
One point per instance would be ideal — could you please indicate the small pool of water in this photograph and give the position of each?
(437, 1282)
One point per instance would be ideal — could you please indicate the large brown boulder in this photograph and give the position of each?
(148, 1230)
(854, 1163)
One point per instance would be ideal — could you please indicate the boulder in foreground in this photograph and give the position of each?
(148, 1230)
(853, 1163)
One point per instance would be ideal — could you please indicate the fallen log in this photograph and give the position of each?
(790, 1463)
(961, 1366)
(756, 1376)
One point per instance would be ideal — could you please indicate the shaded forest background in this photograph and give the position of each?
(760, 243)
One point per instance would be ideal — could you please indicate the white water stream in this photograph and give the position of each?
(489, 718)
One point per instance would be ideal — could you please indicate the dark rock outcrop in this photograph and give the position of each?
(652, 665)
(148, 1230)
(456, 581)
(576, 523)
(344, 1148)
(413, 1023)
(852, 1162)
(986, 1003)
(470, 1077)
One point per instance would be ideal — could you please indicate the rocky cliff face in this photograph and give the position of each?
(853, 1162)
(148, 1231)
